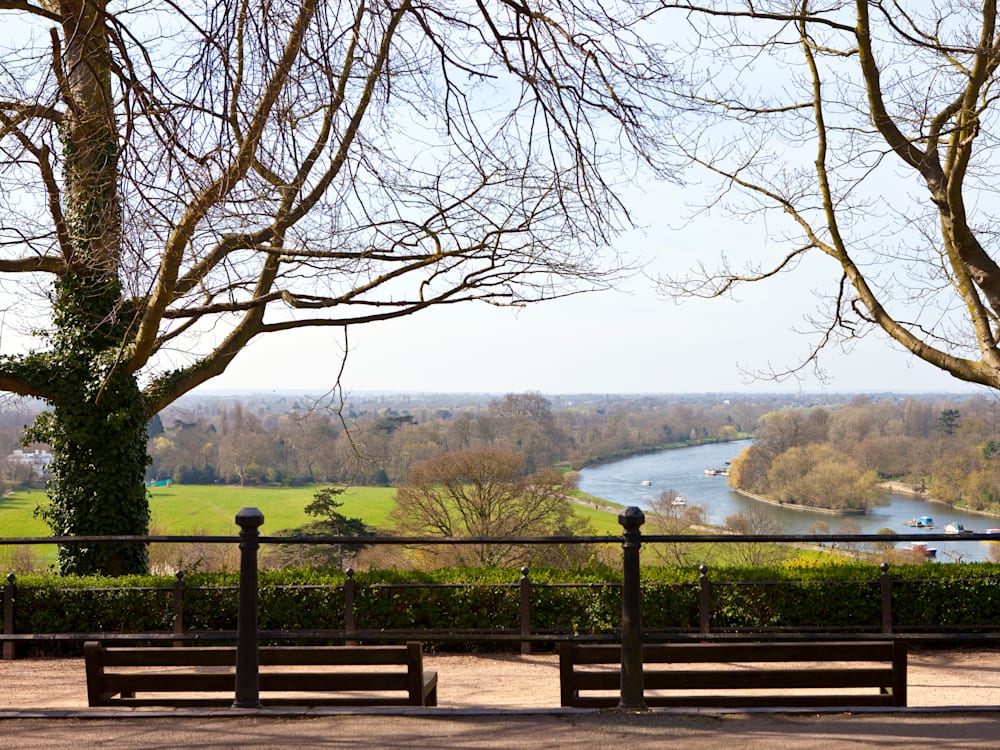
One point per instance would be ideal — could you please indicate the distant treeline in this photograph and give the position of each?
(375, 443)
(374, 439)
(838, 457)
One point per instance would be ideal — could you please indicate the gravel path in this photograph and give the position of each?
(936, 679)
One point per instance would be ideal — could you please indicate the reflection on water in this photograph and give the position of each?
(639, 479)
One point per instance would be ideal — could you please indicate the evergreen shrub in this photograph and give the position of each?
(925, 598)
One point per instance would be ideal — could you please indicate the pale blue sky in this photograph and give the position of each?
(602, 343)
(628, 341)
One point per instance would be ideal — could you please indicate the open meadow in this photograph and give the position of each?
(211, 510)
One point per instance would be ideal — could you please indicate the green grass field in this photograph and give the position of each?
(211, 509)
(16, 515)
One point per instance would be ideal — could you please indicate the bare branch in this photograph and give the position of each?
(914, 84)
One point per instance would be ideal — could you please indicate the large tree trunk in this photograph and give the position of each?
(97, 432)
(97, 428)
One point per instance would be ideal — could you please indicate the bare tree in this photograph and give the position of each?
(753, 522)
(482, 492)
(862, 132)
(671, 515)
(179, 179)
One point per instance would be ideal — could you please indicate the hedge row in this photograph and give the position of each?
(924, 598)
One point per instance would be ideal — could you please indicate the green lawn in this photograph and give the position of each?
(211, 509)
(16, 515)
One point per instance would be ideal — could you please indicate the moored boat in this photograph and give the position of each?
(921, 522)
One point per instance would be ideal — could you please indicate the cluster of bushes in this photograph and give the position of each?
(847, 596)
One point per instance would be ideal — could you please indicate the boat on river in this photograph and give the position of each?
(645, 483)
(920, 522)
(678, 501)
(923, 549)
(957, 528)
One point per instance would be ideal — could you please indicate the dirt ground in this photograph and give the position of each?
(936, 679)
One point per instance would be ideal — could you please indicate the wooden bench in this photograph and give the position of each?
(162, 673)
(780, 668)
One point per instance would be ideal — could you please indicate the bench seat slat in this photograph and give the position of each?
(768, 652)
(744, 701)
(333, 681)
(767, 678)
(740, 680)
(311, 700)
(211, 656)
(226, 656)
(170, 682)
(333, 655)
(719, 652)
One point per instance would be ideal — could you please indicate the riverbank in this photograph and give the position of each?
(679, 445)
(901, 488)
(804, 508)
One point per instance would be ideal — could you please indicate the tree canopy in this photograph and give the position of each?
(483, 492)
(179, 179)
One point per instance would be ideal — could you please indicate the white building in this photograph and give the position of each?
(39, 460)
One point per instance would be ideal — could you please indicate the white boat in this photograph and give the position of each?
(957, 528)
(923, 549)
(678, 501)
(645, 483)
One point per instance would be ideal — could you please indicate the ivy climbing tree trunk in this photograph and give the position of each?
(96, 424)
(97, 432)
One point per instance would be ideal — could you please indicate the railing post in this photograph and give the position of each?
(704, 601)
(9, 595)
(885, 586)
(632, 683)
(247, 654)
(350, 624)
(178, 597)
(525, 610)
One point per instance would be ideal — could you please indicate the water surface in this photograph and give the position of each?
(683, 470)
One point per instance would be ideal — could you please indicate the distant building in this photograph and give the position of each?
(39, 460)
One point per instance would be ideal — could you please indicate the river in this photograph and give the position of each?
(683, 470)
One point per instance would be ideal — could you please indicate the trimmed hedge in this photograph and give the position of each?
(925, 598)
